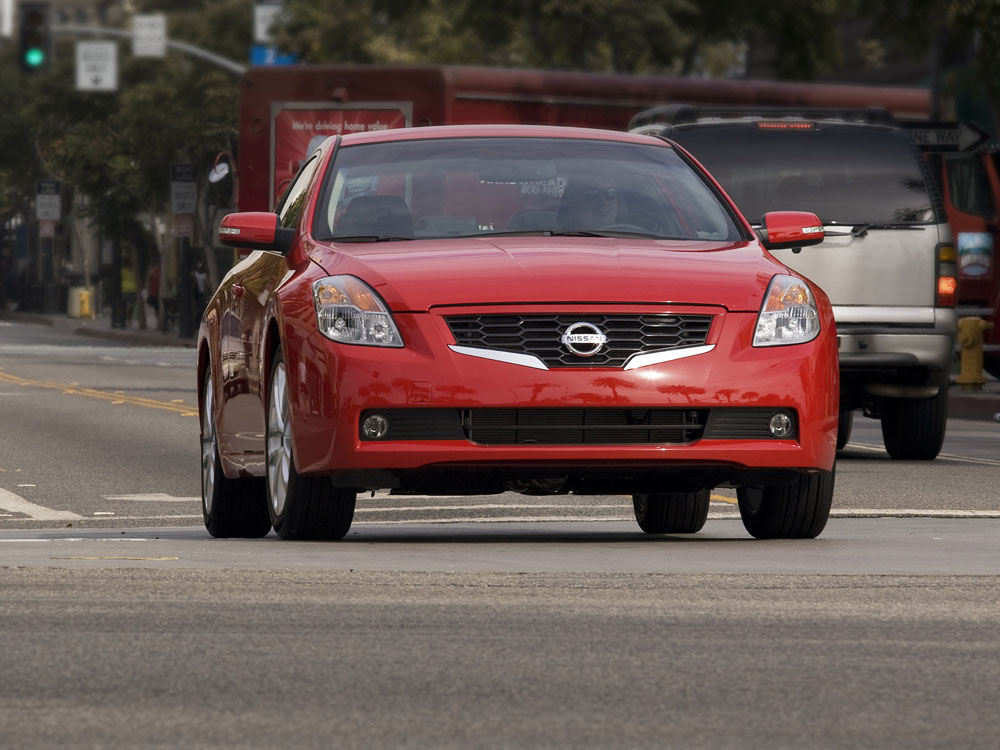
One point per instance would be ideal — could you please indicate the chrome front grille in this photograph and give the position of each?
(540, 335)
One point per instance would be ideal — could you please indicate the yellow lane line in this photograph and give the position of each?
(116, 397)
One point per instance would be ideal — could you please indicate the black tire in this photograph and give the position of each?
(671, 512)
(300, 507)
(230, 507)
(844, 425)
(796, 511)
(913, 428)
(991, 363)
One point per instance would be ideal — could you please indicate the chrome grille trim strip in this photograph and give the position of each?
(512, 358)
(658, 358)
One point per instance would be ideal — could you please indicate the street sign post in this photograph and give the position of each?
(183, 189)
(940, 136)
(149, 35)
(265, 12)
(96, 66)
(48, 201)
(269, 54)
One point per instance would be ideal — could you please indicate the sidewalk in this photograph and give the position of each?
(100, 328)
(981, 405)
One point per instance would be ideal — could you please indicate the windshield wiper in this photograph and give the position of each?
(860, 230)
(565, 233)
(366, 238)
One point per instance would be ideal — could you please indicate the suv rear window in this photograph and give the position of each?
(845, 174)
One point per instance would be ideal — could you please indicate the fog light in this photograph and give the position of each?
(781, 425)
(375, 427)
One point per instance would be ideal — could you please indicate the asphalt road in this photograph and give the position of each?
(499, 622)
(319, 659)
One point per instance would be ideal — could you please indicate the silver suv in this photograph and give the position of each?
(887, 264)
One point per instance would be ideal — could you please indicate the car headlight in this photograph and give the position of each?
(788, 315)
(348, 310)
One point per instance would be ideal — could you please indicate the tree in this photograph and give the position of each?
(963, 37)
(117, 148)
(623, 36)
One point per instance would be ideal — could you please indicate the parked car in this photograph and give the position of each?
(479, 309)
(888, 261)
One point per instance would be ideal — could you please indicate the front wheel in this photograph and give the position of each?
(913, 428)
(796, 511)
(300, 507)
(230, 507)
(671, 512)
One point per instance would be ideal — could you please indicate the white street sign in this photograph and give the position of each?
(149, 35)
(183, 197)
(48, 201)
(96, 66)
(6, 18)
(48, 207)
(265, 12)
(943, 136)
(183, 189)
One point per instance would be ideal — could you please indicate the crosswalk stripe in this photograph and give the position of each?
(16, 504)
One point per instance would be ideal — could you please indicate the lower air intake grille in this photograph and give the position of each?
(581, 426)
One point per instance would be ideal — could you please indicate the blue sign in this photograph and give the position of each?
(268, 54)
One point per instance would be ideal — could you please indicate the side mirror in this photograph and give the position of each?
(780, 230)
(256, 230)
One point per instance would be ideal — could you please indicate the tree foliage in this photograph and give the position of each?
(117, 148)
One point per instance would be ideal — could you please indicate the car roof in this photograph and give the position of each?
(498, 131)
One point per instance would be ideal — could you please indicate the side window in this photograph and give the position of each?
(290, 208)
(968, 185)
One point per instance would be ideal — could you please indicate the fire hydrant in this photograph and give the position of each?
(970, 339)
(85, 304)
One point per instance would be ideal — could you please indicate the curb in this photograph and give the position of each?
(136, 338)
(79, 327)
(979, 405)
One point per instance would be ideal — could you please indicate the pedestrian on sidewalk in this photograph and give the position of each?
(153, 288)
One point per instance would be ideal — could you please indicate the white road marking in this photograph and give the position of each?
(77, 539)
(17, 504)
(870, 448)
(155, 497)
(911, 513)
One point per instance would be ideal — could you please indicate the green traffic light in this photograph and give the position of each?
(34, 57)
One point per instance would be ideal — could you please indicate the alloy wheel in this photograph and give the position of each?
(279, 441)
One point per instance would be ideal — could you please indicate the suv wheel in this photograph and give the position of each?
(796, 511)
(913, 428)
(844, 425)
(671, 512)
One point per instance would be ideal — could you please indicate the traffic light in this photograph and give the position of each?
(35, 47)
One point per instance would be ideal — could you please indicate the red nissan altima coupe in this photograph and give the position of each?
(481, 309)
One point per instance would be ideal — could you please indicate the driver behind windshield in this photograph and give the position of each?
(589, 202)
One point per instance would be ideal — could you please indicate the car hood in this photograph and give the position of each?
(420, 274)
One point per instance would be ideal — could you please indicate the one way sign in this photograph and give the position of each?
(96, 66)
(941, 136)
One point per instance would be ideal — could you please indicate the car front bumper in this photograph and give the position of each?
(332, 385)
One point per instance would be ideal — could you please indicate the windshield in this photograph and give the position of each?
(845, 175)
(461, 187)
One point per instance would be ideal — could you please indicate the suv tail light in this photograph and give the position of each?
(947, 276)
